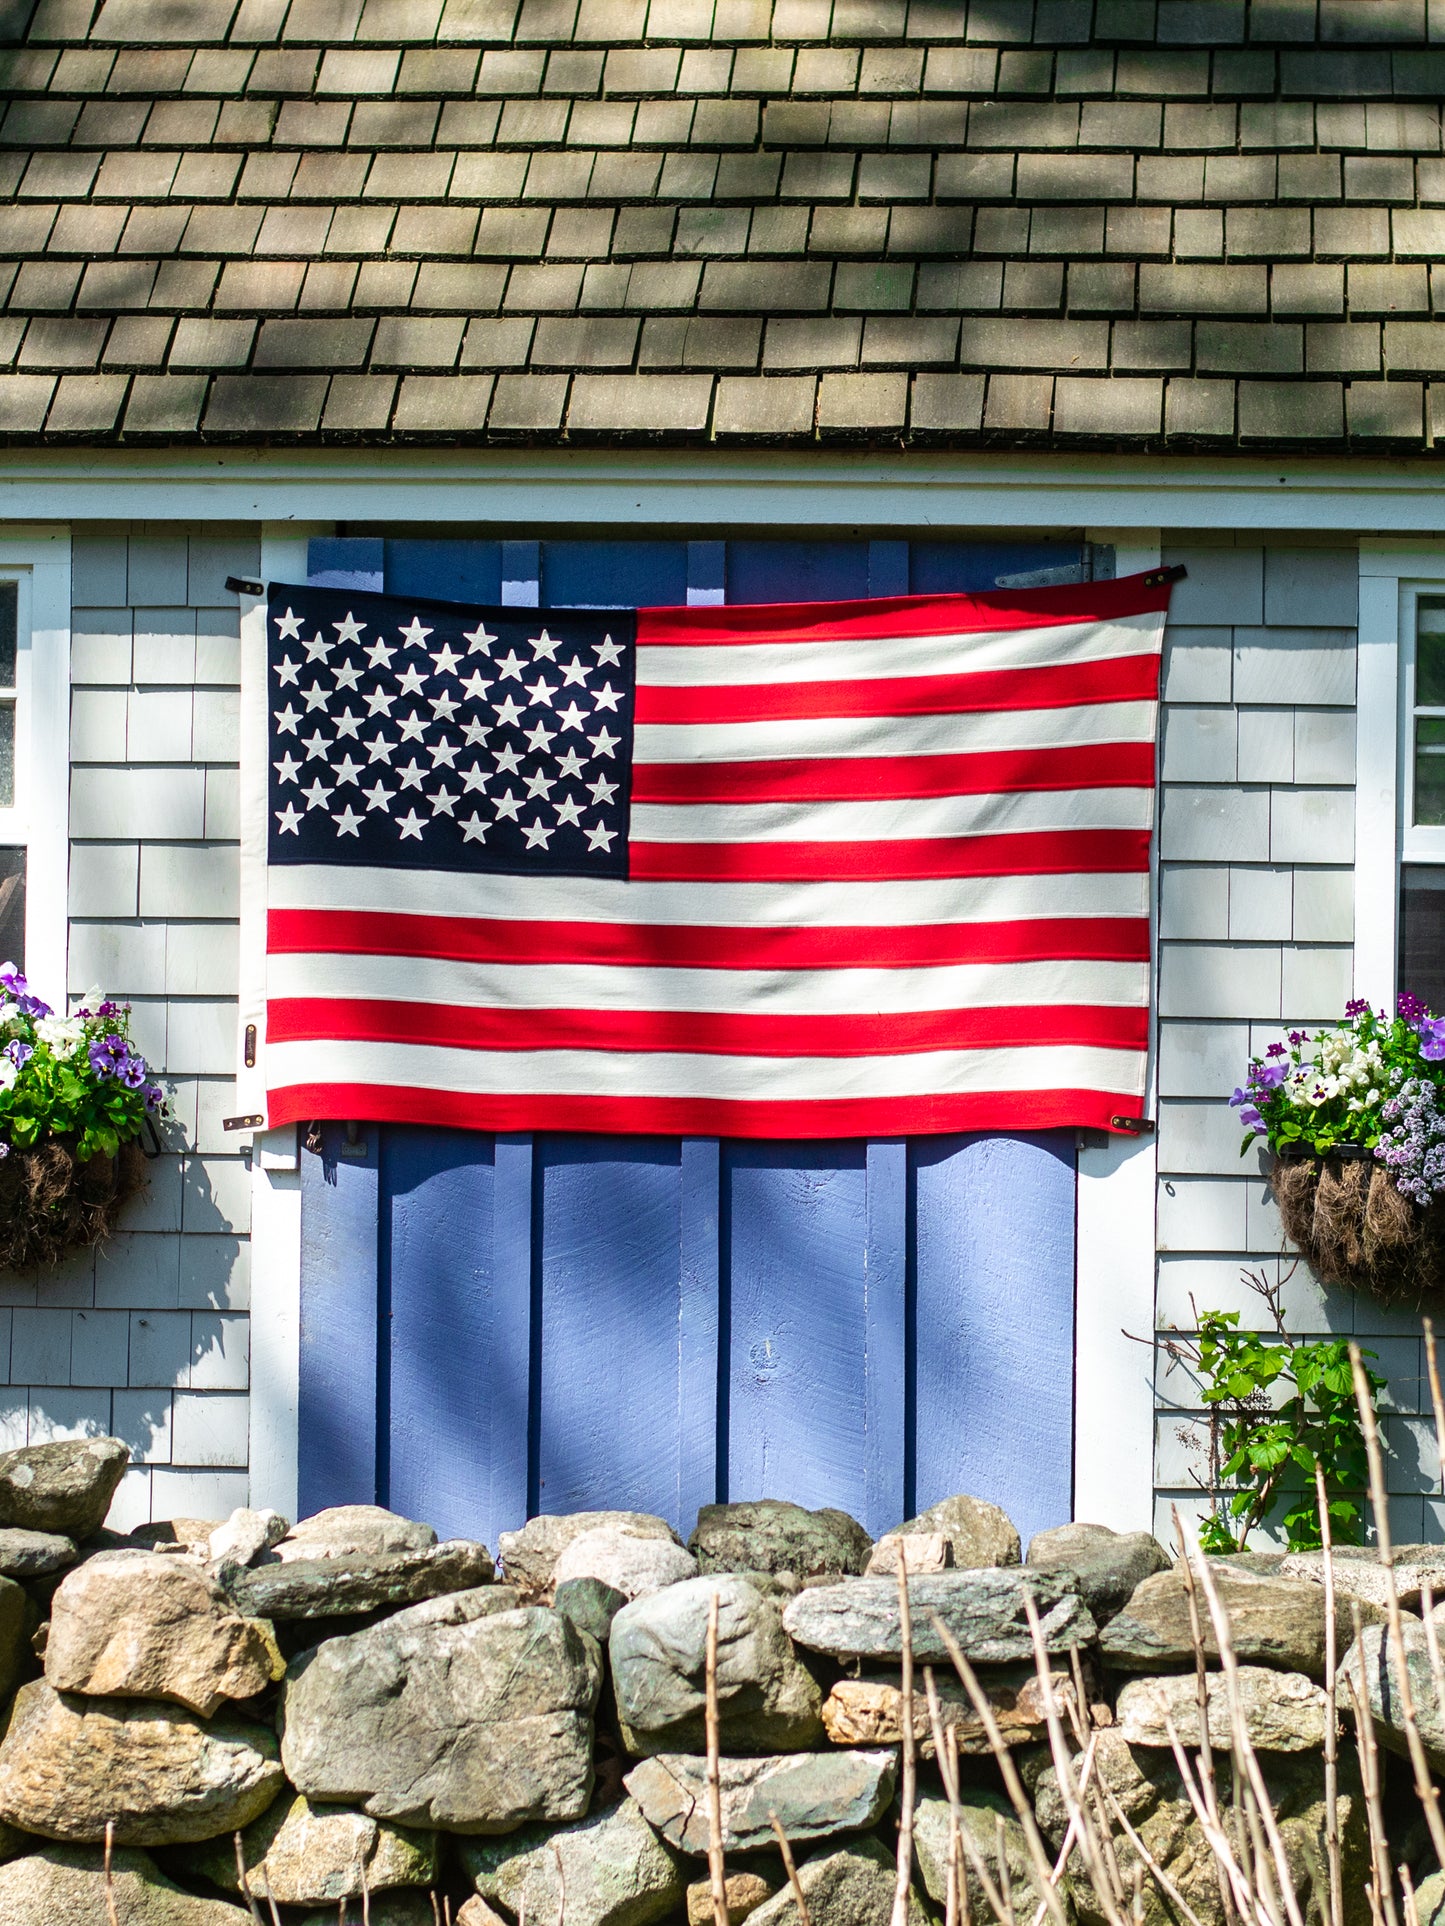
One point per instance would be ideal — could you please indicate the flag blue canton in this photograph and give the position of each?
(423, 735)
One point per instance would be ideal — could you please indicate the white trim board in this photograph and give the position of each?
(40, 557)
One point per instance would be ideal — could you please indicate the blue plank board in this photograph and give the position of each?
(885, 1333)
(995, 1323)
(445, 571)
(698, 1329)
(610, 575)
(511, 1456)
(937, 568)
(337, 1415)
(797, 571)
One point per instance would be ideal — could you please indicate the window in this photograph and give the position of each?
(34, 750)
(1422, 842)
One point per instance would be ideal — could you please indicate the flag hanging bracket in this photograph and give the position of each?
(1133, 1126)
(1158, 577)
(243, 585)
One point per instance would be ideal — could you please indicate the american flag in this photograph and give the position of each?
(806, 870)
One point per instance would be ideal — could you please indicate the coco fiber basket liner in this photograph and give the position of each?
(51, 1203)
(1356, 1228)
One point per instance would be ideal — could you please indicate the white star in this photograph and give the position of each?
(445, 659)
(443, 707)
(379, 655)
(537, 834)
(573, 671)
(287, 670)
(569, 811)
(318, 648)
(348, 823)
(570, 763)
(287, 767)
(539, 740)
(413, 633)
(607, 697)
(476, 685)
(444, 803)
(288, 626)
(474, 732)
(347, 723)
(602, 743)
(476, 777)
(412, 727)
(512, 664)
(317, 794)
(541, 645)
(411, 825)
(599, 836)
(287, 719)
(540, 691)
(571, 717)
(474, 830)
(290, 820)
(412, 681)
(443, 752)
(316, 696)
(379, 701)
(609, 653)
(379, 749)
(508, 761)
(480, 640)
(540, 785)
(602, 791)
(350, 630)
(509, 805)
(378, 796)
(315, 745)
(411, 775)
(509, 712)
(347, 674)
(348, 769)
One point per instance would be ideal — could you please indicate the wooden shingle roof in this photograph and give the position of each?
(1139, 223)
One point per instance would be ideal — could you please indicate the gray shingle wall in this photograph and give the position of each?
(149, 1338)
(1193, 223)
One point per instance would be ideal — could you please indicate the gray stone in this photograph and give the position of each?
(590, 1605)
(1106, 1566)
(1372, 1666)
(612, 1866)
(632, 1562)
(914, 1551)
(67, 1765)
(64, 1488)
(743, 1893)
(14, 1647)
(447, 1715)
(852, 1885)
(984, 1611)
(1273, 1621)
(993, 1827)
(65, 1886)
(304, 1857)
(1283, 1711)
(34, 1554)
(245, 1535)
(401, 1908)
(978, 1534)
(1430, 1900)
(529, 1556)
(771, 1535)
(1358, 1574)
(351, 1582)
(353, 1531)
(151, 1625)
(869, 1711)
(813, 1794)
(768, 1700)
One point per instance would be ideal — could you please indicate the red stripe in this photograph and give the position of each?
(703, 1117)
(1098, 765)
(902, 614)
(1126, 678)
(717, 1033)
(1043, 852)
(465, 939)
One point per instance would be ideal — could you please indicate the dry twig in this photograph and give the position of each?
(244, 1882)
(800, 1898)
(1332, 1723)
(110, 1911)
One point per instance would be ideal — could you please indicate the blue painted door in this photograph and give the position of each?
(497, 1326)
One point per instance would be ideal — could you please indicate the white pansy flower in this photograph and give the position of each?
(8, 1073)
(63, 1035)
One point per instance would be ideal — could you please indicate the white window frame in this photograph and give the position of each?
(38, 561)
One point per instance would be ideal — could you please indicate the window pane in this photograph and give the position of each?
(1422, 933)
(1430, 671)
(9, 626)
(1430, 769)
(12, 906)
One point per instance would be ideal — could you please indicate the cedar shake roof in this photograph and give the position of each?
(1195, 224)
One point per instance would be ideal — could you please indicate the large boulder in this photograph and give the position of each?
(304, 1856)
(1273, 1621)
(996, 1835)
(1282, 1711)
(34, 1554)
(768, 1700)
(150, 1625)
(66, 1886)
(1371, 1664)
(14, 1647)
(975, 1534)
(353, 1531)
(590, 1605)
(1106, 1567)
(772, 1535)
(631, 1562)
(743, 1893)
(982, 1609)
(67, 1765)
(529, 1556)
(850, 1885)
(611, 1867)
(869, 1711)
(447, 1715)
(812, 1793)
(1358, 1573)
(340, 1584)
(64, 1488)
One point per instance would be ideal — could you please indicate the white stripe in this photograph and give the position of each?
(604, 1073)
(1009, 812)
(894, 736)
(590, 899)
(583, 986)
(862, 660)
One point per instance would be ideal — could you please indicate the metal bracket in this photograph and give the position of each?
(242, 1123)
(1133, 1126)
(1157, 577)
(243, 585)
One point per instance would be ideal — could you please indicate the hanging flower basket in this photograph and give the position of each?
(1355, 1116)
(75, 1097)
